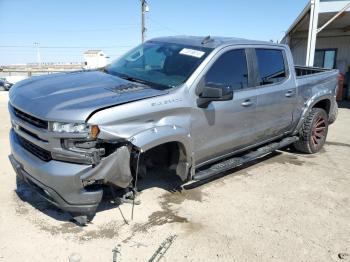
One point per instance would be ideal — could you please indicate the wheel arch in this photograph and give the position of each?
(323, 102)
(173, 139)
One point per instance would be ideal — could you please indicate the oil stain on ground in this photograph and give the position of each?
(104, 231)
(167, 214)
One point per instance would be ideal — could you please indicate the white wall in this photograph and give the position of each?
(298, 47)
(95, 60)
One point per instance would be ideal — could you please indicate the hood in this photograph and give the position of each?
(73, 97)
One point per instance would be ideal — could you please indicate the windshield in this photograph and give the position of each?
(162, 65)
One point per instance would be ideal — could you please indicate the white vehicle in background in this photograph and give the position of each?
(14, 79)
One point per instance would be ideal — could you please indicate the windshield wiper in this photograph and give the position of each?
(137, 80)
(141, 81)
(133, 79)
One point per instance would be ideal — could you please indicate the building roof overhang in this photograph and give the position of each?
(327, 10)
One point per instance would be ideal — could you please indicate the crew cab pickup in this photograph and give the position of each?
(197, 105)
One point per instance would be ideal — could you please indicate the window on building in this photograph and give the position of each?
(271, 66)
(229, 70)
(325, 58)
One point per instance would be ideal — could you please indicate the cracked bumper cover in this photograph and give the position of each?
(62, 183)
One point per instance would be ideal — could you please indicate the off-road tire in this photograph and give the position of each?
(313, 132)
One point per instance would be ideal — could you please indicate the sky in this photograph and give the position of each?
(65, 29)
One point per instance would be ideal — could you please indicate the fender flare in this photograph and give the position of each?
(309, 104)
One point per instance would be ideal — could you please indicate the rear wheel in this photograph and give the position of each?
(314, 131)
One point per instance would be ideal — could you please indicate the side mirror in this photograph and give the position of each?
(214, 92)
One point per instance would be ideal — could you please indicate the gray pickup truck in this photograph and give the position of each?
(196, 105)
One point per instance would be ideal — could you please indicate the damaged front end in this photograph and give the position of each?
(70, 169)
(113, 168)
(109, 160)
(67, 169)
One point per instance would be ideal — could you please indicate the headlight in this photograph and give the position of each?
(69, 128)
(92, 130)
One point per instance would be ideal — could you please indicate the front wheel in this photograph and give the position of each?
(314, 131)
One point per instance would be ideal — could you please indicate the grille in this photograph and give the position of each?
(35, 150)
(32, 134)
(31, 119)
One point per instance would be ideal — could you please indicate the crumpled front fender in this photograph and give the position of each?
(159, 135)
(115, 168)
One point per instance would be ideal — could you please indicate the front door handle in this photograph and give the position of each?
(290, 93)
(247, 103)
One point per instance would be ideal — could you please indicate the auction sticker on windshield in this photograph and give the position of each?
(192, 52)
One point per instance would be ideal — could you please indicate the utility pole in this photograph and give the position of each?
(38, 53)
(144, 9)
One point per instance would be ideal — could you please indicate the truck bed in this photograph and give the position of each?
(315, 81)
(313, 76)
(304, 70)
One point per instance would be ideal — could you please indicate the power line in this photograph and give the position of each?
(65, 47)
(163, 26)
(73, 30)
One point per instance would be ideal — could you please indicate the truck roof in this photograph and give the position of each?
(211, 41)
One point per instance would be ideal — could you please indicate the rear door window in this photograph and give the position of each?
(230, 69)
(271, 66)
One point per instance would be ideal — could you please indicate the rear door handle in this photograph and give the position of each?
(247, 103)
(290, 93)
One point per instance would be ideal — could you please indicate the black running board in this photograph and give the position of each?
(238, 161)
